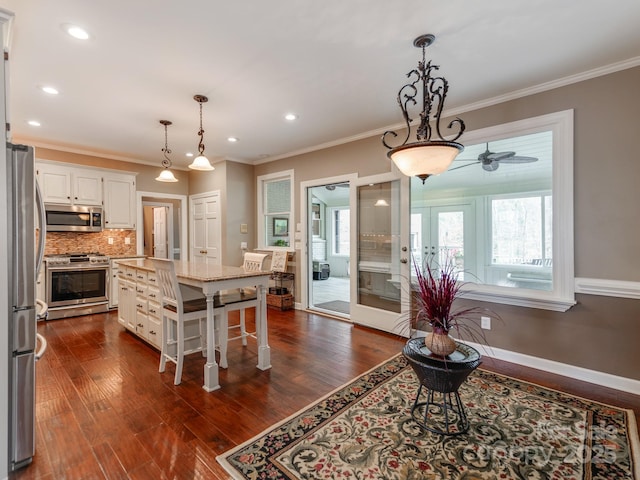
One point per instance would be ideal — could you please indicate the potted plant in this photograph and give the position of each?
(434, 292)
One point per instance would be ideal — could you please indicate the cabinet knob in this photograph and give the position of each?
(403, 260)
(152, 332)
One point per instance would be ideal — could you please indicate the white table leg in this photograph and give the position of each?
(211, 381)
(264, 351)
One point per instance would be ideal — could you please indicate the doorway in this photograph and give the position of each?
(175, 207)
(157, 219)
(328, 234)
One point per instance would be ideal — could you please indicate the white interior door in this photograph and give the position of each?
(380, 251)
(206, 237)
(160, 236)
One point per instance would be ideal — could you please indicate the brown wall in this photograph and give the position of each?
(236, 183)
(599, 333)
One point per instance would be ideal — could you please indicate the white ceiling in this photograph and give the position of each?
(337, 64)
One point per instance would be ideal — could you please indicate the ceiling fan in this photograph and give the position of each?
(332, 187)
(490, 161)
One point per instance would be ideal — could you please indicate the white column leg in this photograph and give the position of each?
(264, 351)
(211, 381)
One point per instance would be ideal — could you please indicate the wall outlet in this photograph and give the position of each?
(485, 322)
(243, 245)
(127, 241)
(110, 240)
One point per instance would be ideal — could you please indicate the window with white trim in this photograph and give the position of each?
(275, 210)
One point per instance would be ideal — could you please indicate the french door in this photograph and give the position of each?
(380, 251)
(445, 234)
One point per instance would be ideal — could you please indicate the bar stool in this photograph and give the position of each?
(176, 314)
(239, 299)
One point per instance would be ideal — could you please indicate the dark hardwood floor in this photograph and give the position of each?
(104, 411)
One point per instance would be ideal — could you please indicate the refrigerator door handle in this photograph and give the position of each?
(43, 346)
(43, 229)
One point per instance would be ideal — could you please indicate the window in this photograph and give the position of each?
(517, 182)
(275, 213)
(341, 231)
(519, 230)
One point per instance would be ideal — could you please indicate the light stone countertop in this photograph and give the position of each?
(197, 271)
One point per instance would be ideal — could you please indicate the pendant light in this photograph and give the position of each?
(424, 157)
(166, 175)
(201, 162)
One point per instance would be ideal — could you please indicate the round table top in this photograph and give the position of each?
(464, 356)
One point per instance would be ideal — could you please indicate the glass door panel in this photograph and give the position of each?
(379, 292)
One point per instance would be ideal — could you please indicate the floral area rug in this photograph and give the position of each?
(518, 430)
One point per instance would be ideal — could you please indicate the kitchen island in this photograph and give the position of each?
(140, 309)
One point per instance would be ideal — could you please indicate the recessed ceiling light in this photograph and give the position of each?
(77, 32)
(188, 154)
(290, 116)
(50, 90)
(34, 123)
(232, 139)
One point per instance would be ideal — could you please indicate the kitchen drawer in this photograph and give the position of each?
(154, 332)
(153, 294)
(129, 273)
(141, 276)
(142, 305)
(153, 309)
(141, 290)
(142, 324)
(151, 279)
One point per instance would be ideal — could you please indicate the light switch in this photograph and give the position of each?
(243, 245)
(127, 241)
(110, 240)
(244, 228)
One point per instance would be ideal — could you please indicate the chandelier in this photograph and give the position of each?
(166, 175)
(201, 162)
(424, 157)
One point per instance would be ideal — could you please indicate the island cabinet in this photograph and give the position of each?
(139, 304)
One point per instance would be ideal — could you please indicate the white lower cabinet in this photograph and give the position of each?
(139, 304)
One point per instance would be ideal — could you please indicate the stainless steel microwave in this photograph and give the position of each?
(73, 218)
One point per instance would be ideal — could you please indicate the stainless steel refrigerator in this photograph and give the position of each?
(25, 260)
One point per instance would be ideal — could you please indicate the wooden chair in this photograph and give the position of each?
(239, 299)
(176, 314)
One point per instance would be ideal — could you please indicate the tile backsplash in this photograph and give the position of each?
(67, 242)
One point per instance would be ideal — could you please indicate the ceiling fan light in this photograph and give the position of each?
(201, 163)
(424, 158)
(166, 176)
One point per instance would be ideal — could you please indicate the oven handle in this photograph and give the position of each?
(57, 268)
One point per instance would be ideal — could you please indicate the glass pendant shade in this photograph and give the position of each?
(423, 159)
(201, 163)
(166, 176)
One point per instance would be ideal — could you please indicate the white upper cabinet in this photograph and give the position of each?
(119, 201)
(69, 185)
(87, 188)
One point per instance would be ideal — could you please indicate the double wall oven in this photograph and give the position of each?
(77, 284)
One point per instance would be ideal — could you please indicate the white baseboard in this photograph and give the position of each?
(592, 376)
